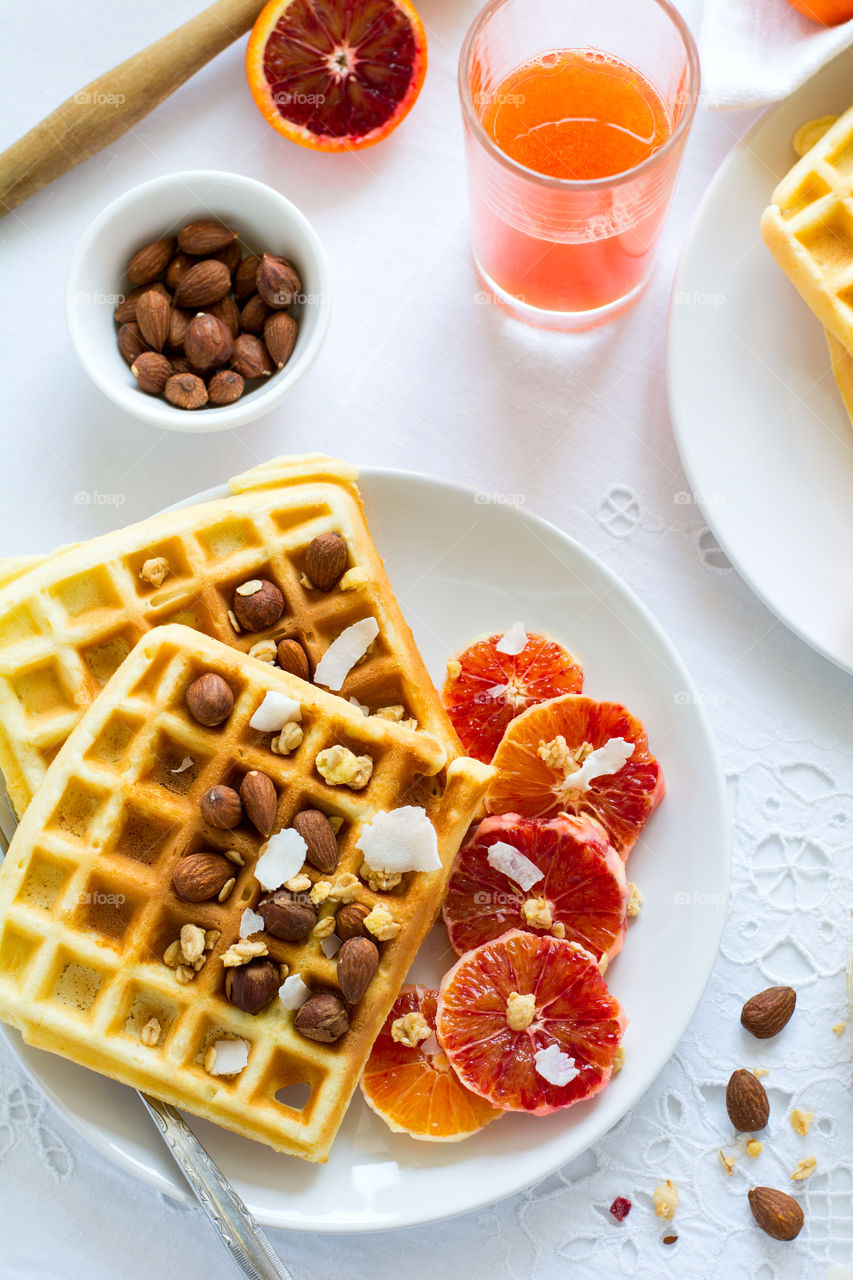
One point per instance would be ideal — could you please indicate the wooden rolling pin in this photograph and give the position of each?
(93, 118)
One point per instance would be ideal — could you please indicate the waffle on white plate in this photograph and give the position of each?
(68, 620)
(117, 938)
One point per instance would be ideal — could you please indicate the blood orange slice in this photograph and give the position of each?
(582, 893)
(486, 689)
(413, 1088)
(509, 1000)
(540, 774)
(336, 75)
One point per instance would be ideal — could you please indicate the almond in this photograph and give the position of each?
(747, 1102)
(358, 960)
(280, 332)
(349, 922)
(178, 324)
(244, 277)
(250, 358)
(231, 255)
(199, 877)
(177, 268)
(186, 391)
(228, 312)
(206, 282)
(768, 1012)
(153, 315)
(259, 801)
(221, 807)
(326, 559)
(125, 312)
(277, 281)
(204, 238)
(316, 831)
(253, 315)
(151, 261)
(131, 342)
(207, 342)
(777, 1213)
(152, 371)
(293, 658)
(225, 387)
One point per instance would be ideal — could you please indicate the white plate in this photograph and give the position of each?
(759, 422)
(460, 567)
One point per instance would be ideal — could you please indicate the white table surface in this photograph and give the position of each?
(419, 373)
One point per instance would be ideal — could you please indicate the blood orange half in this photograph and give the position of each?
(491, 688)
(583, 891)
(336, 75)
(543, 749)
(556, 1000)
(416, 1091)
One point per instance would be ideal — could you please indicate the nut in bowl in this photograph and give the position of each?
(135, 244)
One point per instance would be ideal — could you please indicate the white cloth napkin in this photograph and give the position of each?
(758, 51)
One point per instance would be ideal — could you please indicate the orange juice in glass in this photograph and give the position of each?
(576, 113)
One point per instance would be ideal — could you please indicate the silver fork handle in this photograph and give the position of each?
(241, 1235)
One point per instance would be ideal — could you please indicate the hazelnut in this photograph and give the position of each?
(221, 807)
(199, 877)
(210, 699)
(326, 559)
(207, 342)
(228, 312)
(316, 831)
(186, 391)
(322, 1017)
(277, 281)
(259, 800)
(225, 387)
(152, 371)
(293, 658)
(251, 986)
(349, 922)
(258, 604)
(286, 917)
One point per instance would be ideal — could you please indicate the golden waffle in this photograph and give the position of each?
(808, 228)
(69, 620)
(87, 907)
(842, 367)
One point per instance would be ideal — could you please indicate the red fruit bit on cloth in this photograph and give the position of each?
(620, 1208)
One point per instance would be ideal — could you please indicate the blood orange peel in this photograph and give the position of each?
(409, 1082)
(564, 878)
(504, 1003)
(549, 754)
(336, 75)
(491, 682)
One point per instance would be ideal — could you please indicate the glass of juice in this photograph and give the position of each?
(576, 113)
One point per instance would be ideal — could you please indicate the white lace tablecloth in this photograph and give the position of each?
(418, 373)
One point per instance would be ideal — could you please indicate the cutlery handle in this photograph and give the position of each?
(90, 120)
(242, 1236)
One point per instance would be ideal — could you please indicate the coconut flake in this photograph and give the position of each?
(496, 691)
(275, 712)
(513, 640)
(554, 1066)
(186, 763)
(251, 922)
(283, 856)
(605, 760)
(506, 859)
(230, 1057)
(343, 653)
(354, 702)
(331, 946)
(293, 992)
(402, 840)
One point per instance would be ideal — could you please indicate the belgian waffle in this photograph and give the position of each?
(69, 620)
(88, 911)
(808, 228)
(842, 367)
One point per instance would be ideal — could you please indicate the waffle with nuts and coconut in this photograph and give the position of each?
(122, 898)
(287, 556)
(808, 228)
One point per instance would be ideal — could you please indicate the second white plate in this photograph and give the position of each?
(759, 422)
(461, 567)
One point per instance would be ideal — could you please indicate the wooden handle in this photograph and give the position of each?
(93, 118)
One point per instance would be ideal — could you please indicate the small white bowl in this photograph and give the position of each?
(266, 222)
